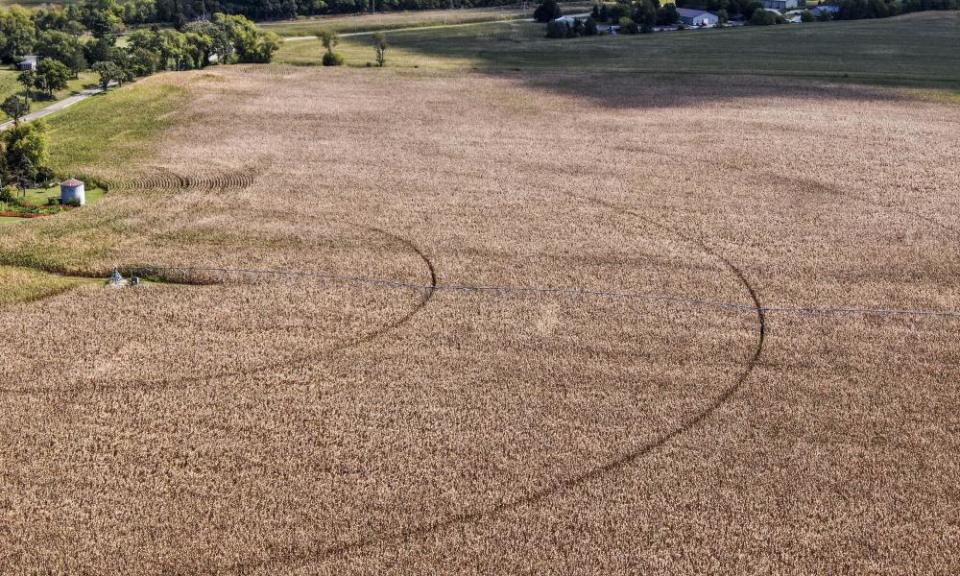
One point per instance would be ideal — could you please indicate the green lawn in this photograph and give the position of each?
(917, 50)
(9, 86)
(39, 196)
(108, 131)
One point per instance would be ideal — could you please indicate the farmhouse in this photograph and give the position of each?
(781, 5)
(28, 64)
(692, 17)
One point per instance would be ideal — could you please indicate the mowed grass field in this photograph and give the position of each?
(566, 320)
(912, 50)
(392, 20)
(385, 21)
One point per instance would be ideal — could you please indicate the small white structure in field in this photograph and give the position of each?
(116, 280)
(72, 192)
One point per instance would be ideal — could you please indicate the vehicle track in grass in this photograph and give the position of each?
(319, 553)
(178, 383)
(164, 179)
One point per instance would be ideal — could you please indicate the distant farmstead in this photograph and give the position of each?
(692, 17)
(28, 64)
(826, 9)
(781, 5)
(72, 192)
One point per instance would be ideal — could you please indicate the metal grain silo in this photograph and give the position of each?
(72, 192)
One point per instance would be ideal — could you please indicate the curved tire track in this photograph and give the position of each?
(320, 554)
(179, 383)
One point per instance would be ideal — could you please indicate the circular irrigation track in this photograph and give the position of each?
(628, 457)
(186, 276)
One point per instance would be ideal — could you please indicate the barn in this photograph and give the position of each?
(692, 17)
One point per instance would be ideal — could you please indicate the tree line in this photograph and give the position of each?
(79, 37)
(180, 12)
(638, 16)
(847, 9)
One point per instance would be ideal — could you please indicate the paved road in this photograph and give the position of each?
(55, 107)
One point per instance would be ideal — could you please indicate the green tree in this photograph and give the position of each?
(668, 15)
(25, 150)
(645, 15)
(64, 47)
(100, 50)
(749, 8)
(763, 18)
(330, 40)
(138, 11)
(250, 44)
(49, 19)
(172, 49)
(617, 11)
(102, 18)
(143, 62)
(547, 10)
(380, 46)
(18, 34)
(198, 47)
(109, 73)
(28, 78)
(53, 75)
(16, 107)
(221, 48)
(557, 29)
(590, 27)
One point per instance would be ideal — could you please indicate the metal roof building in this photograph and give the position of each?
(692, 17)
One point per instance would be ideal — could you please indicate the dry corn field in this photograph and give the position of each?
(665, 389)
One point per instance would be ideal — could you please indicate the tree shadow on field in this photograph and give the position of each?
(851, 60)
(657, 91)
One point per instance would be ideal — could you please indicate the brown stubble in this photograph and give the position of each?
(298, 425)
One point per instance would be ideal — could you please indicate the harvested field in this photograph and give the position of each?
(349, 388)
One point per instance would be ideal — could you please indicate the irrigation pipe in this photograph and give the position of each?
(561, 291)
